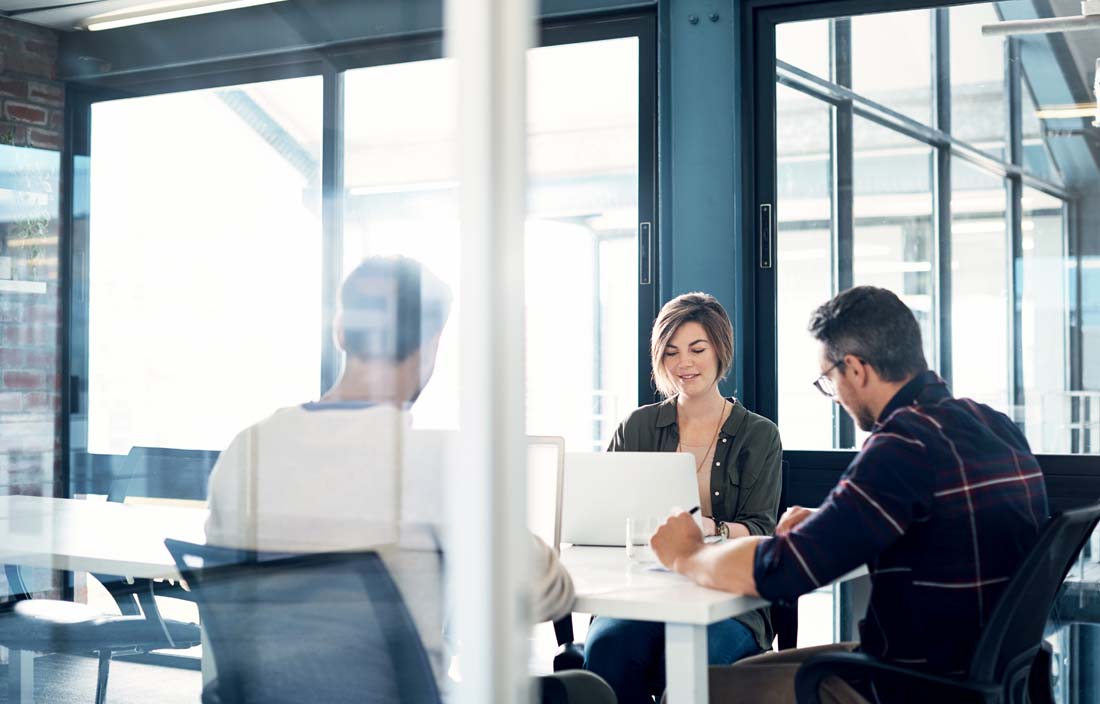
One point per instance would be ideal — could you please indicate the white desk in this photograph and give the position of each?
(608, 584)
(95, 536)
(111, 538)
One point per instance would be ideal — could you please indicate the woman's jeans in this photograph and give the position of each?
(630, 655)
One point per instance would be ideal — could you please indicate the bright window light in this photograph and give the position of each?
(156, 12)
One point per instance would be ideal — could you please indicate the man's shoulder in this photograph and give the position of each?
(947, 418)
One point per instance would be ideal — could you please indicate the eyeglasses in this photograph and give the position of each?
(824, 384)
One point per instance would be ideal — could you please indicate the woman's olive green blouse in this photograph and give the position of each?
(744, 480)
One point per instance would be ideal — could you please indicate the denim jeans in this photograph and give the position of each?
(630, 655)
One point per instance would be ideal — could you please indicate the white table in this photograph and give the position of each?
(89, 536)
(95, 536)
(125, 539)
(608, 584)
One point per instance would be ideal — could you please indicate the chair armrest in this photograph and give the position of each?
(852, 666)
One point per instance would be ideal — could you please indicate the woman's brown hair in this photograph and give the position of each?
(698, 307)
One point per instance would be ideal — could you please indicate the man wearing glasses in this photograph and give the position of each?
(942, 503)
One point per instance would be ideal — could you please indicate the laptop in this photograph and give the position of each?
(545, 471)
(603, 489)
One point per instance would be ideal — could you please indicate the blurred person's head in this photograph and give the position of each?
(389, 320)
(691, 348)
(870, 346)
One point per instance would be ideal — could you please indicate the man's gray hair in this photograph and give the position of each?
(874, 325)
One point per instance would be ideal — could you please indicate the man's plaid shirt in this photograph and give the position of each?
(942, 504)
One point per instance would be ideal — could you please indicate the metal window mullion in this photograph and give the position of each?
(941, 192)
(821, 89)
(1014, 214)
(332, 217)
(842, 153)
(1073, 221)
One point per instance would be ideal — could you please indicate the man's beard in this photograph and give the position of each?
(864, 418)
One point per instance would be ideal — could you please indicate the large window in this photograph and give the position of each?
(203, 263)
(902, 137)
(211, 253)
(581, 235)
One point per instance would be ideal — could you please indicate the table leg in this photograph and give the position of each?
(850, 599)
(21, 677)
(209, 672)
(686, 663)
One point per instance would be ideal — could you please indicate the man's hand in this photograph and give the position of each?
(678, 537)
(791, 518)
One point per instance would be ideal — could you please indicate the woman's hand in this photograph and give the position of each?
(791, 518)
(709, 527)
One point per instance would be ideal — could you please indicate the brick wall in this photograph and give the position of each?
(31, 98)
(31, 117)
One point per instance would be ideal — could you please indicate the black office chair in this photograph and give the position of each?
(1011, 663)
(158, 472)
(327, 627)
(784, 619)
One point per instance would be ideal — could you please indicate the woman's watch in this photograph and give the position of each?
(722, 529)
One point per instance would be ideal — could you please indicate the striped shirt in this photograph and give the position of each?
(942, 504)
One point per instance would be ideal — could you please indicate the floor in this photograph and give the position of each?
(63, 679)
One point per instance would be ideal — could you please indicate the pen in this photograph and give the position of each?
(694, 510)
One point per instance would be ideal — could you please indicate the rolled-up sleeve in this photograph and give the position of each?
(884, 489)
(552, 591)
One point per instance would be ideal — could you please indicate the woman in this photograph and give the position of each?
(737, 457)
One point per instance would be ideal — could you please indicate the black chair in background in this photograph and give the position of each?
(148, 472)
(784, 619)
(1011, 662)
(329, 627)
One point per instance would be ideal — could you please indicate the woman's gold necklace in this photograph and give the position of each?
(713, 440)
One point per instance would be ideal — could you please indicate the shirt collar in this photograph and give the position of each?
(337, 405)
(926, 387)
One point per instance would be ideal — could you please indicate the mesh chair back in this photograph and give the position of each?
(1014, 632)
(326, 627)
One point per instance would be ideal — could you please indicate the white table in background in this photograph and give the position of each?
(125, 539)
(95, 536)
(608, 584)
(89, 536)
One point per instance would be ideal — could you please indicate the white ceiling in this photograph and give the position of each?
(63, 14)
